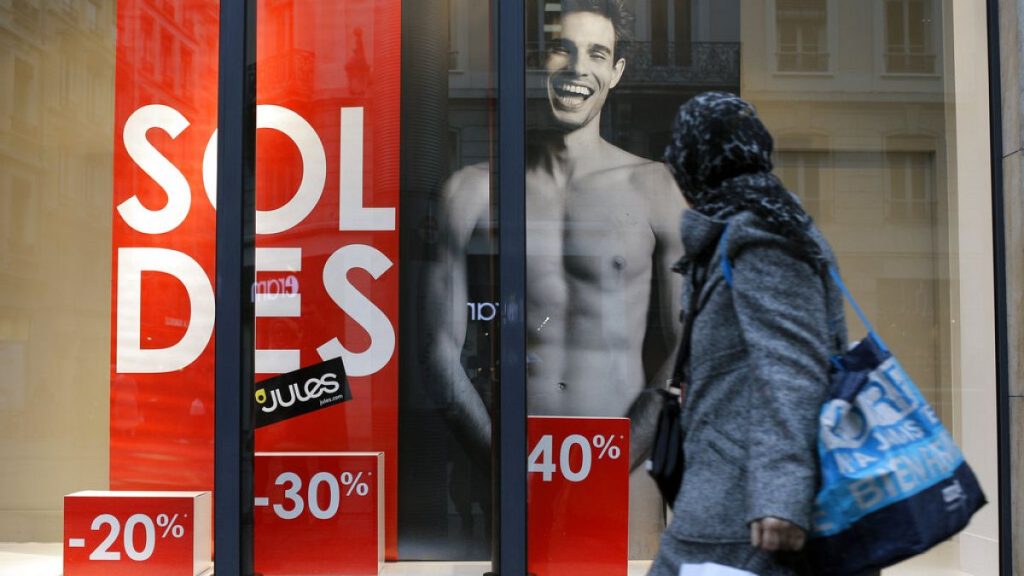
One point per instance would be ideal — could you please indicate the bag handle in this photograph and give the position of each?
(727, 273)
(856, 308)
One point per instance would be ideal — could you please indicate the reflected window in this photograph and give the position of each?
(552, 20)
(149, 49)
(909, 37)
(458, 35)
(543, 26)
(801, 173)
(802, 35)
(25, 95)
(19, 212)
(284, 13)
(911, 195)
(167, 70)
(91, 15)
(670, 32)
(27, 16)
(169, 8)
(187, 70)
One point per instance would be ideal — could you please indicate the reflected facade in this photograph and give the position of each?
(879, 113)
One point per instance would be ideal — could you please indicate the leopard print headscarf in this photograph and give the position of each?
(720, 155)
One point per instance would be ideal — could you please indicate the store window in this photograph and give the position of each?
(869, 162)
(602, 236)
(802, 35)
(399, 248)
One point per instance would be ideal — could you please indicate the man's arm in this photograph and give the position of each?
(662, 337)
(443, 296)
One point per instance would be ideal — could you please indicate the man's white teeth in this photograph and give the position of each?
(571, 100)
(577, 90)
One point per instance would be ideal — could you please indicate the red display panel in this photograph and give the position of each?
(327, 230)
(131, 533)
(578, 496)
(319, 513)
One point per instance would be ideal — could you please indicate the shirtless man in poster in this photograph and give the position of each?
(602, 235)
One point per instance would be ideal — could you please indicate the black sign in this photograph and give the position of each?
(305, 390)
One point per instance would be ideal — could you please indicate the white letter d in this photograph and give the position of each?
(131, 357)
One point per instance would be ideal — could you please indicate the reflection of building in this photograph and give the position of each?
(170, 35)
(56, 162)
(861, 131)
(56, 113)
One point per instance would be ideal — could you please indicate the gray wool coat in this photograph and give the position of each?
(758, 372)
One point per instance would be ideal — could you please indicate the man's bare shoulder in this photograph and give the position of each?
(615, 159)
(654, 174)
(649, 177)
(652, 181)
(465, 197)
(638, 169)
(472, 180)
(647, 180)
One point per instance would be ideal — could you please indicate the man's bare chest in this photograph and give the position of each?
(591, 233)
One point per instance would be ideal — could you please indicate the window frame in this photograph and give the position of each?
(831, 41)
(881, 44)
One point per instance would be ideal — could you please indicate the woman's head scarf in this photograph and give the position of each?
(720, 155)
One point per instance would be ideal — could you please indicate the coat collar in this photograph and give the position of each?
(699, 233)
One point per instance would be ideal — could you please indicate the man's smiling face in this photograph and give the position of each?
(582, 68)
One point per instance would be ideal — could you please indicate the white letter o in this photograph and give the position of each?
(314, 169)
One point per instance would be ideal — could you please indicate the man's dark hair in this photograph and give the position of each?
(614, 10)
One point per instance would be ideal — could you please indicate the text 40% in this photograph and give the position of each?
(131, 546)
(541, 458)
(297, 502)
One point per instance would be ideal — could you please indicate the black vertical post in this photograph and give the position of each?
(236, 217)
(511, 171)
(1003, 423)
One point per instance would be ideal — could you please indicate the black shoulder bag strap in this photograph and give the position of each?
(666, 462)
(680, 375)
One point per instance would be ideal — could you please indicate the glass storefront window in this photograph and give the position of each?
(56, 187)
(870, 140)
(377, 243)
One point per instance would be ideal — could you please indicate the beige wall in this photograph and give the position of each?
(56, 142)
(974, 377)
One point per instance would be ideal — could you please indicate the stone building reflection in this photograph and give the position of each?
(56, 164)
(861, 135)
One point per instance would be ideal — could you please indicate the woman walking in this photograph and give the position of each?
(762, 327)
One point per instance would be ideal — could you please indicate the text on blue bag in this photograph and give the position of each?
(883, 447)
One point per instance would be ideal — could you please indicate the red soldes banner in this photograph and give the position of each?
(327, 188)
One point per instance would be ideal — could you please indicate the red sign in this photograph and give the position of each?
(131, 533)
(578, 496)
(319, 513)
(327, 230)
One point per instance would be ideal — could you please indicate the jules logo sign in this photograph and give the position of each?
(301, 392)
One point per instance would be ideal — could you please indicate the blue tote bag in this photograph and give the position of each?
(893, 482)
